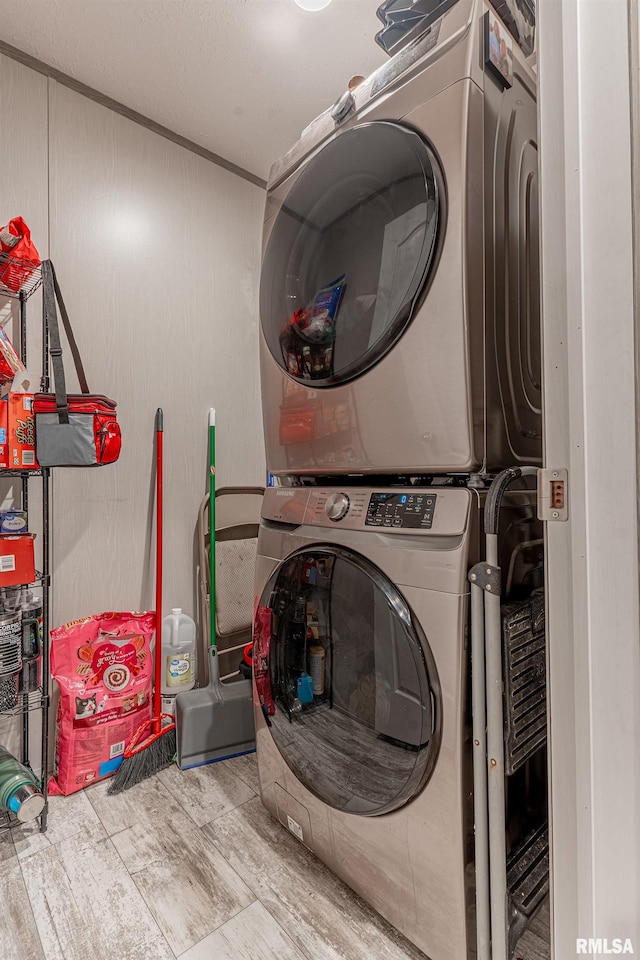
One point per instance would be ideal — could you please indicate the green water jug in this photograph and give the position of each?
(19, 790)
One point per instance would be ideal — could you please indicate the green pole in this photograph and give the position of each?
(212, 526)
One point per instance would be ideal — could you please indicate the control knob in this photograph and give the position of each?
(337, 506)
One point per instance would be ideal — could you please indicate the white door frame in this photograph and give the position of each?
(590, 427)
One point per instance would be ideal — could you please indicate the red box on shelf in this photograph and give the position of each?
(21, 432)
(4, 433)
(17, 560)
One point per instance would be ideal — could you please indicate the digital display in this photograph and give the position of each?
(407, 510)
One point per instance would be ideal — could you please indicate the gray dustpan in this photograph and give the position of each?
(214, 723)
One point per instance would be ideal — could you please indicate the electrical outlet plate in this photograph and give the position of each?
(553, 494)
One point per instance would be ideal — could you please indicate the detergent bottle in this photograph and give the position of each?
(178, 652)
(19, 790)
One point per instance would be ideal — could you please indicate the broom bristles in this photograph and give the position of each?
(152, 759)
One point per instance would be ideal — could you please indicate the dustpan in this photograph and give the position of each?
(216, 722)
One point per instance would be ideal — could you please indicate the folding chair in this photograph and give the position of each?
(237, 524)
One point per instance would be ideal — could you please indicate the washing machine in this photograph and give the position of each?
(361, 691)
(399, 296)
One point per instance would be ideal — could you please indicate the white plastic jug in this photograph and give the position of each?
(178, 652)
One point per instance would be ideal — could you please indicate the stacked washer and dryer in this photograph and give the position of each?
(400, 365)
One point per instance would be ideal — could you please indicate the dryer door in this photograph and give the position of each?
(351, 251)
(357, 703)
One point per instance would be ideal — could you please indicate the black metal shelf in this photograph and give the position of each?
(20, 474)
(7, 820)
(19, 278)
(27, 703)
(24, 704)
(40, 579)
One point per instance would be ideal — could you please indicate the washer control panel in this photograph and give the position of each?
(383, 511)
(403, 509)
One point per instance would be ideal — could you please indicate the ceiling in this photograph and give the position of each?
(239, 77)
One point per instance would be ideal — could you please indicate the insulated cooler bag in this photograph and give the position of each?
(90, 438)
(72, 430)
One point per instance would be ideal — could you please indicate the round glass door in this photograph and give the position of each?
(351, 251)
(350, 687)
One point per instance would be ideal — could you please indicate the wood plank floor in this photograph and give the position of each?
(189, 865)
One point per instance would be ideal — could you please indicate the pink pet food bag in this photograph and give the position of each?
(103, 667)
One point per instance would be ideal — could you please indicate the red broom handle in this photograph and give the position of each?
(159, 536)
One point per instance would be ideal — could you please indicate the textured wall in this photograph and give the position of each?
(157, 253)
(241, 77)
(23, 161)
(24, 192)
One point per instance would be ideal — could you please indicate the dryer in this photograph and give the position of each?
(361, 688)
(399, 285)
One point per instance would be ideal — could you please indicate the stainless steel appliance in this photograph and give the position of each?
(399, 289)
(373, 770)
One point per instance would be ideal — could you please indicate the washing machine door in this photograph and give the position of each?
(352, 681)
(351, 252)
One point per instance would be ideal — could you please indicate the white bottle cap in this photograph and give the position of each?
(176, 610)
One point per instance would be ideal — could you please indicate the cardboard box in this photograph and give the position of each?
(22, 432)
(17, 560)
(4, 436)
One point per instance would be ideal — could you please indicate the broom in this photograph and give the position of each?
(212, 527)
(214, 667)
(153, 746)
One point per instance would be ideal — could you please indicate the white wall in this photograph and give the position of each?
(23, 191)
(157, 253)
(590, 428)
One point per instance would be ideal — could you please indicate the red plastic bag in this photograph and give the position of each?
(10, 362)
(16, 245)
